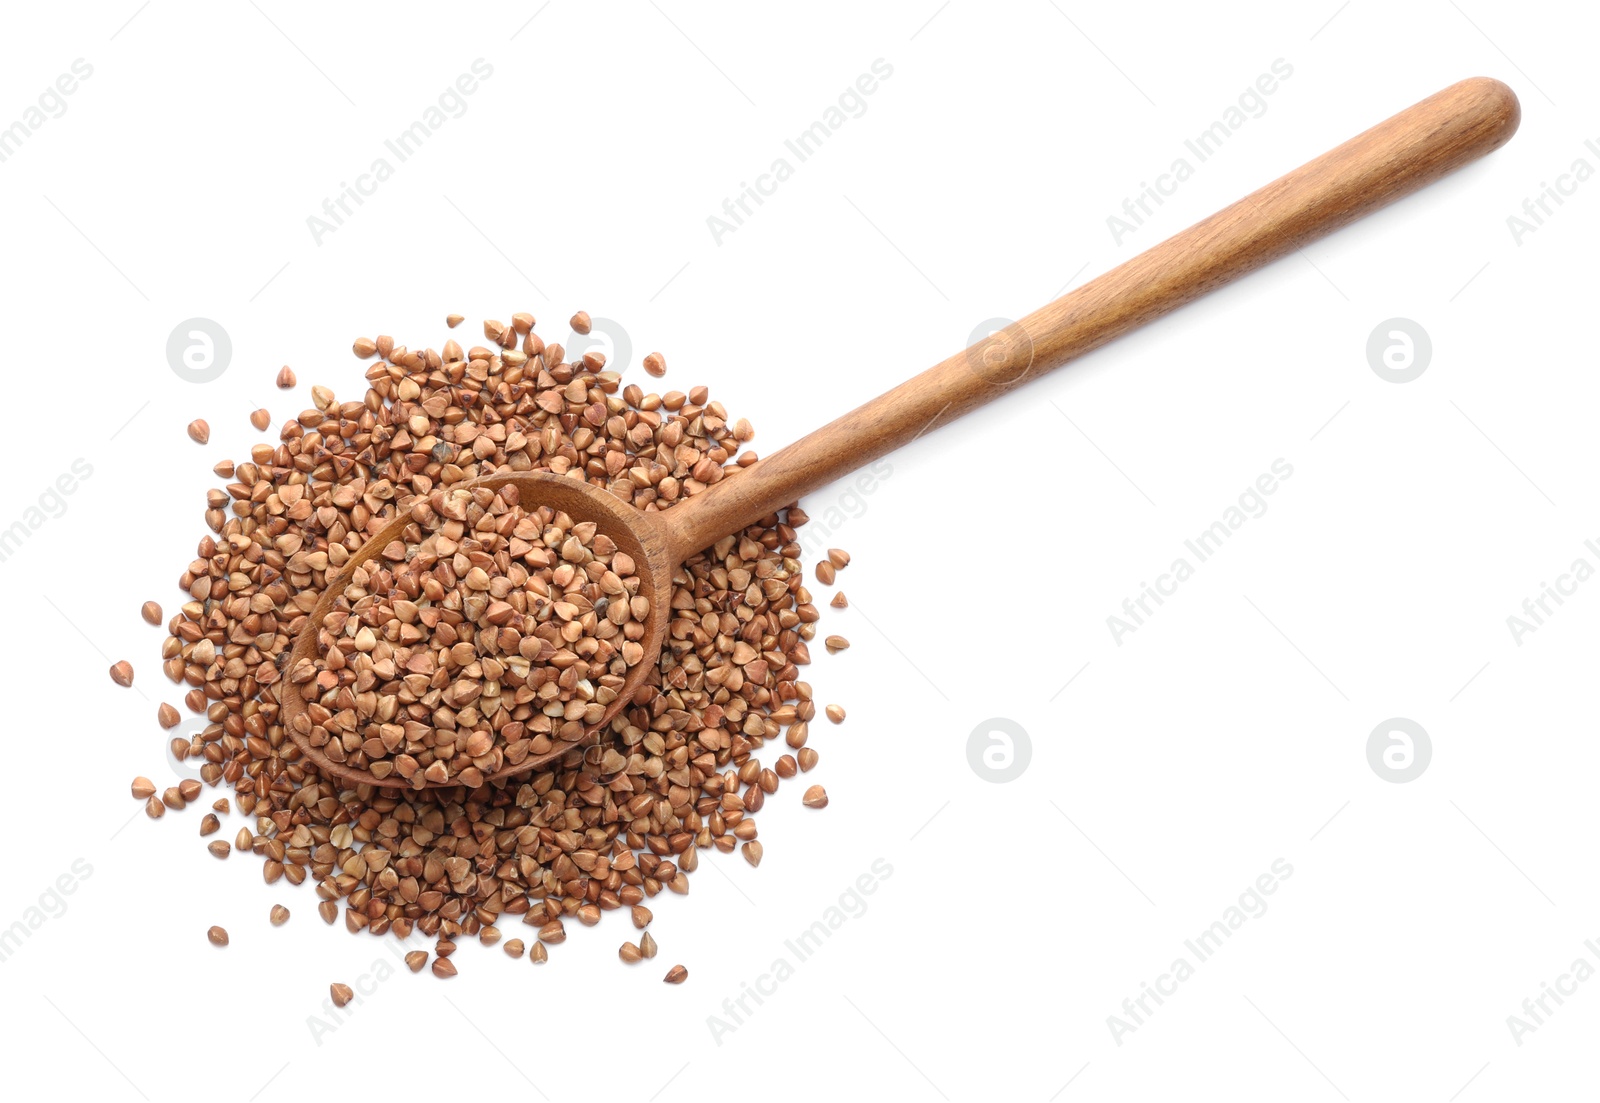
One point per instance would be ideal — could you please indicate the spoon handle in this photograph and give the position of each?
(1393, 159)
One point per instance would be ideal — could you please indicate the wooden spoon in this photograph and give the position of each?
(1393, 159)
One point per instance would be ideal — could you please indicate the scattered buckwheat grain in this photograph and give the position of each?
(493, 627)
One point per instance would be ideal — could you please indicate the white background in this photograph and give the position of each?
(1228, 732)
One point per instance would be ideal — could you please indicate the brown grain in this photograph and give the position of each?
(676, 975)
(142, 788)
(122, 673)
(839, 600)
(151, 612)
(835, 713)
(680, 773)
(199, 431)
(816, 797)
(261, 418)
(342, 994)
(416, 959)
(217, 936)
(167, 716)
(443, 968)
(453, 320)
(580, 322)
(655, 364)
(279, 915)
(285, 378)
(647, 946)
(825, 572)
(836, 644)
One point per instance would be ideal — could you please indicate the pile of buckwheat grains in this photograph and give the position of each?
(506, 598)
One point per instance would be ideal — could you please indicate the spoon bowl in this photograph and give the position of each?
(639, 534)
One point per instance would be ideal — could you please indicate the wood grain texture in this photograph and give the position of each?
(1373, 169)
